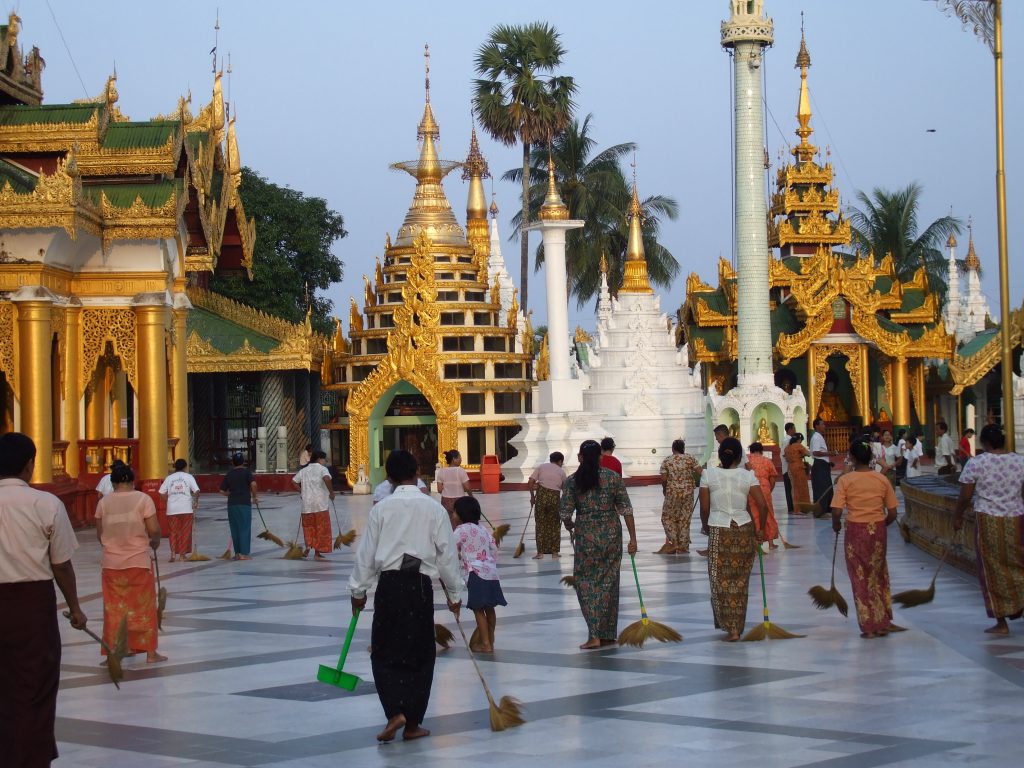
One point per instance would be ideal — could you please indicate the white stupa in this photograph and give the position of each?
(639, 379)
(745, 35)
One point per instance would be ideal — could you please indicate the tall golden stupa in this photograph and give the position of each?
(433, 361)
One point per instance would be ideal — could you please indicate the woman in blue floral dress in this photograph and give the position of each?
(598, 497)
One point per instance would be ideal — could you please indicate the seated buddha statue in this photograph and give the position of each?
(764, 433)
(831, 407)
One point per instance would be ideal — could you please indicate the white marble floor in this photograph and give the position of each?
(244, 640)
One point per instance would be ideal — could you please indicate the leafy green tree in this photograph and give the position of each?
(596, 190)
(294, 234)
(520, 100)
(887, 222)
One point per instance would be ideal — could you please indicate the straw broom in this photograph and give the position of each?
(570, 580)
(344, 539)
(519, 547)
(814, 506)
(266, 534)
(114, 656)
(913, 597)
(499, 532)
(295, 552)
(637, 633)
(227, 552)
(443, 636)
(161, 594)
(766, 630)
(824, 599)
(196, 557)
(507, 712)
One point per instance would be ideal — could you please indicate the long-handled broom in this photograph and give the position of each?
(913, 597)
(161, 594)
(570, 580)
(637, 633)
(443, 636)
(824, 599)
(295, 552)
(114, 655)
(499, 532)
(342, 539)
(196, 556)
(226, 554)
(520, 548)
(814, 506)
(507, 712)
(266, 534)
(766, 630)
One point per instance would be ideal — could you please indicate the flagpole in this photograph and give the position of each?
(1004, 261)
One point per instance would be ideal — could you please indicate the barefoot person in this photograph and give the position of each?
(767, 476)
(452, 482)
(598, 498)
(180, 492)
(36, 544)
(239, 486)
(727, 495)
(545, 489)
(870, 503)
(127, 528)
(994, 482)
(407, 544)
(679, 476)
(314, 481)
(478, 555)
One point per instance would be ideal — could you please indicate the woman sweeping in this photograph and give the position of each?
(870, 503)
(795, 454)
(727, 494)
(452, 482)
(545, 489)
(598, 497)
(317, 492)
(478, 556)
(181, 493)
(994, 482)
(679, 476)
(767, 476)
(127, 528)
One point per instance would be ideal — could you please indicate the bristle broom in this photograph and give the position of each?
(266, 534)
(824, 599)
(161, 604)
(912, 598)
(443, 636)
(569, 581)
(639, 632)
(786, 544)
(766, 630)
(114, 669)
(500, 533)
(344, 539)
(196, 557)
(520, 547)
(294, 552)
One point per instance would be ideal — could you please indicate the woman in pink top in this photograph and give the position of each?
(453, 482)
(127, 527)
(478, 556)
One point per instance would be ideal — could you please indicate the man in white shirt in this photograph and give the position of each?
(821, 470)
(945, 454)
(314, 480)
(104, 487)
(385, 488)
(407, 543)
(36, 544)
(181, 493)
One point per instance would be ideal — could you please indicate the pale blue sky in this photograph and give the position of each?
(328, 94)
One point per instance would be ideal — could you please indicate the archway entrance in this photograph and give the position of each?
(402, 419)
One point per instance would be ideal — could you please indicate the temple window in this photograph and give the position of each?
(445, 275)
(507, 402)
(457, 343)
(465, 260)
(447, 295)
(467, 276)
(471, 403)
(464, 371)
(481, 318)
(360, 372)
(385, 321)
(502, 435)
(508, 371)
(476, 444)
(495, 344)
(453, 318)
(395, 298)
(376, 346)
(474, 295)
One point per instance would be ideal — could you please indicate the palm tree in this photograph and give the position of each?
(519, 99)
(595, 190)
(887, 223)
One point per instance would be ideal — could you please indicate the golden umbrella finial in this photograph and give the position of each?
(553, 209)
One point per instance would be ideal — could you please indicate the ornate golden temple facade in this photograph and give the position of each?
(109, 231)
(433, 361)
(858, 340)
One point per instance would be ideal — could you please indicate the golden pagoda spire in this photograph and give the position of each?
(475, 170)
(553, 208)
(804, 151)
(635, 277)
(971, 262)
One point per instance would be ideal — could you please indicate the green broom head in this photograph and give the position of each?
(569, 581)
(500, 532)
(443, 636)
(161, 604)
(196, 557)
(295, 552)
(914, 597)
(345, 539)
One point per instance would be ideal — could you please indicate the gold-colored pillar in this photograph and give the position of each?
(900, 393)
(119, 405)
(72, 374)
(179, 385)
(151, 321)
(96, 408)
(870, 412)
(812, 392)
(35, 335)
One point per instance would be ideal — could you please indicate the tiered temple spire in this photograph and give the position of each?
(635, 277)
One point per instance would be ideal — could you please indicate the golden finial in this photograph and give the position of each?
(971, 262)
(426, 67)
(604, 263)
(951, 242)
(428, 126)
(494, 207)
(553, 208)
(805, 150)
(475, 170)
(803, 58)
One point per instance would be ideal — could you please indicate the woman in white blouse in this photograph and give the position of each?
(727, 494)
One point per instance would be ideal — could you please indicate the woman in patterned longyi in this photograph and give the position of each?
(598, 497)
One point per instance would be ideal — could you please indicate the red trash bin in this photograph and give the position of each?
(490, 474)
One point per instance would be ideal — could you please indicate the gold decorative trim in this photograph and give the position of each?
(8, 319)
(100, 325)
